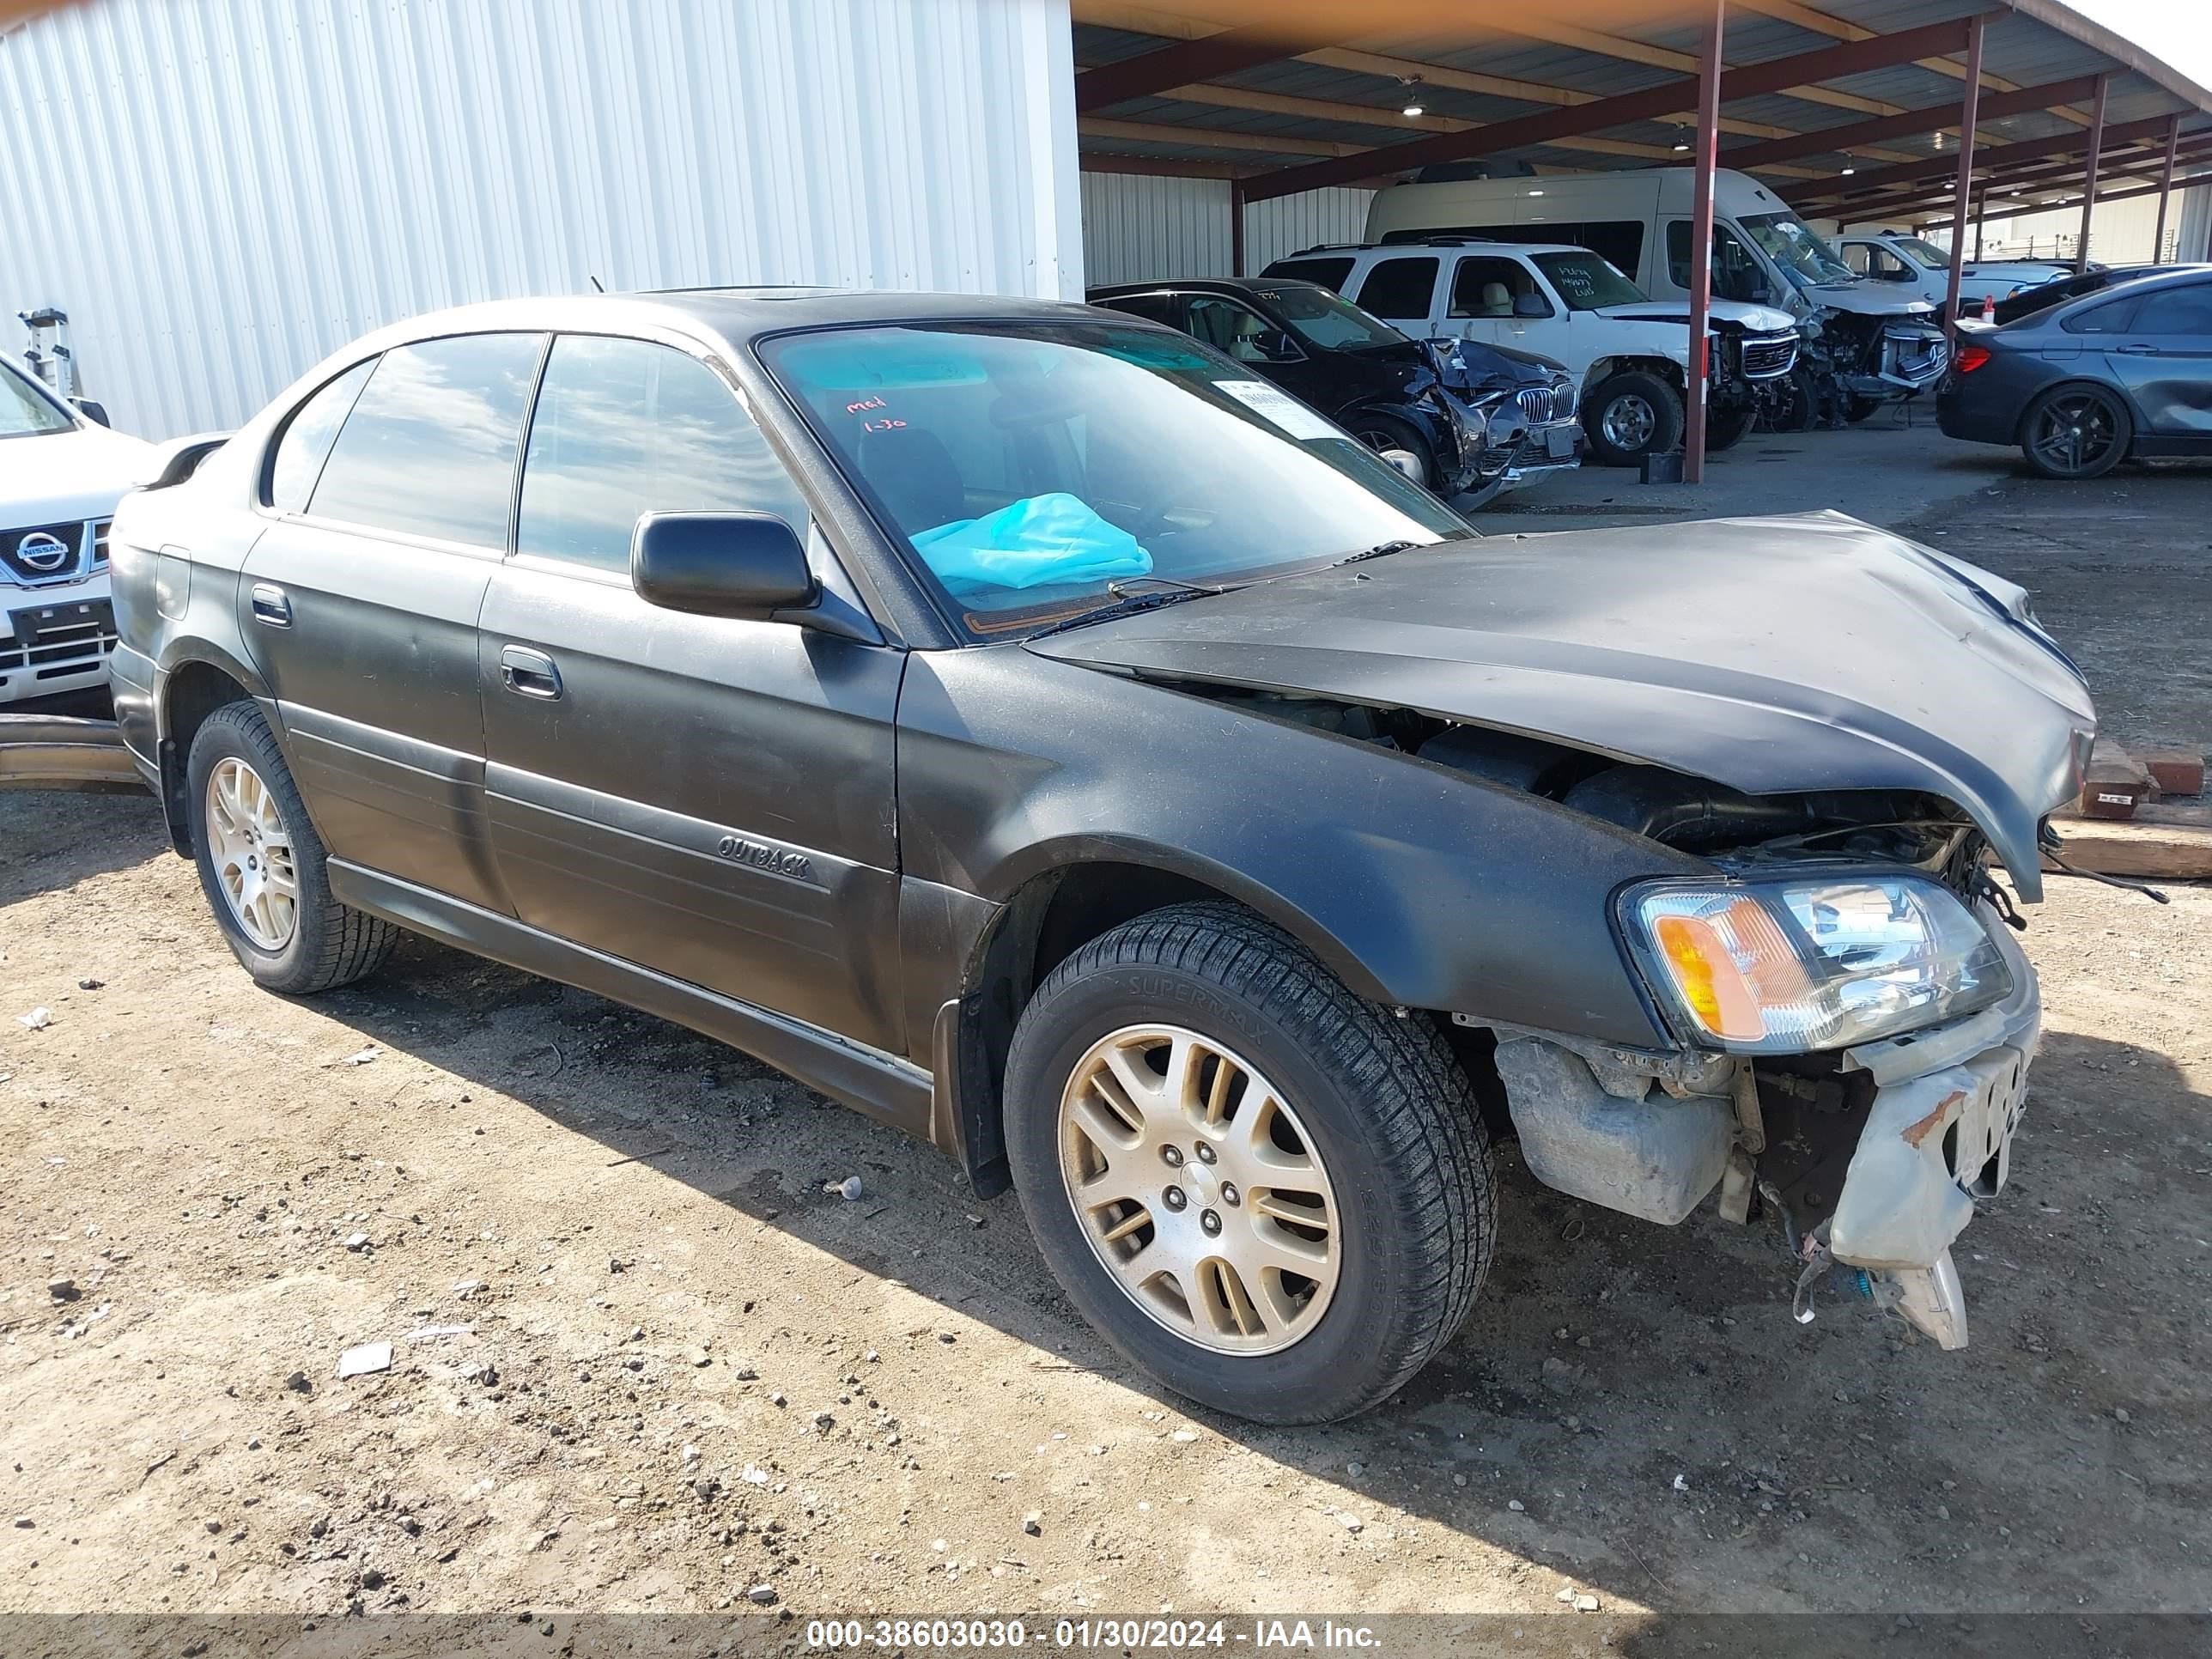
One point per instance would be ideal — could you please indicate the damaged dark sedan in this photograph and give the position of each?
(1038, 731)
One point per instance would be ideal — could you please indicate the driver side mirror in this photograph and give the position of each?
(92, 410)
(745, 565)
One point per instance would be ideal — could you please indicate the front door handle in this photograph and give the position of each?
(528, 673)
(270, 607)
(2134, 350)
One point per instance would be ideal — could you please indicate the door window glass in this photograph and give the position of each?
(1329, 273)
(1487, 287)
(2176, 311)
(1239, 331)
(623, 427)
(2111, 318)
(1153, 308)
(429, 448)
(1399, 289)
(1737, 274)
(1619, 242)
(306, 444)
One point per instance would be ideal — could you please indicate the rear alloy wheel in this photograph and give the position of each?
(1271, 1194)
(1630, 415)
(262, 865)
(2077, 432)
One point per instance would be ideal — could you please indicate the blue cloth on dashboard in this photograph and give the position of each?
(1040, 539)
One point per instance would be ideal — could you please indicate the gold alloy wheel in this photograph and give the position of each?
(252, 852)
(1198, 1189)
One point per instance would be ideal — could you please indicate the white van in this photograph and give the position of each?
(1864, 343)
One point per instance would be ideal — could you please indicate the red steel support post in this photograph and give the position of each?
(1960, 200)
(2165, 191)
(2089, 185)
(1701, 246)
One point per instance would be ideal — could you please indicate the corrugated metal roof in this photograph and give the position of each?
(2036, 43)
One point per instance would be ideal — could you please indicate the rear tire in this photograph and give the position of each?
(2074, 432)
(1331, 1109)
(262, 865)
(1631, 415)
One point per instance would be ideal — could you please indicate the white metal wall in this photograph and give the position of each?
(1138, 227)
(226, 189)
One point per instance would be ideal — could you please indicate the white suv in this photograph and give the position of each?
(1630, 356)
(61, 474)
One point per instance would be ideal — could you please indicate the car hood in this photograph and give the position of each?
(51, 477)
(1773, 655)
(1758, 320)
(1868, 299)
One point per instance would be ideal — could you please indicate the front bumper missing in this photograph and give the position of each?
(1653, 1136)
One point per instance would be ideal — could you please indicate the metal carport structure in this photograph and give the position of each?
(1856, 110)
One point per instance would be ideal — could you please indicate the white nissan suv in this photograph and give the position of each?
(61, 474)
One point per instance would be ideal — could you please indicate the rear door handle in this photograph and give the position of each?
(270, 607)
(528, 673)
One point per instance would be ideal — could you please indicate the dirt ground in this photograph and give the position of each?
(643, 1361)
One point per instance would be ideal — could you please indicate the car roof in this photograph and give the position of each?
(2157, 277)
(1475, 245)
(736, 315)
(1234, 285)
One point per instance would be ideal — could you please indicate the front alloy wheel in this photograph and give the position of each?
(1271, 1193)
(252, 852)
(1198, 1189)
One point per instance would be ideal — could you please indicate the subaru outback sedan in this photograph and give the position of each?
(1038, 732)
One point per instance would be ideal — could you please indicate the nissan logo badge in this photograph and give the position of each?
(40, 551)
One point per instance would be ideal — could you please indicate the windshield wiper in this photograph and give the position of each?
(1374, 552)
(1128, 604)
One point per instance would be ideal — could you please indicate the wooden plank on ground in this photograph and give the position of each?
(2171, 841)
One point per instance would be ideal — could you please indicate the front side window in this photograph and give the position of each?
(429, 448)
(2171, 311)
(1737, 273)
(1401, 289)
(25, 410)
(1026, 466)
(1925, 252)
(1232, 327)
(1153, 308)
(1586, 282)
(1791, 243)
(306, 444)
(623, 427)
(1322, 319)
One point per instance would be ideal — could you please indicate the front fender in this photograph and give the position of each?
(1419, 885)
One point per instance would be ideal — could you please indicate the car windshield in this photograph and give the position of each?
(1034, 469)
(1926, 253)
(1790, 243)
(26, 411)
(1322, 319)
(1586, 281)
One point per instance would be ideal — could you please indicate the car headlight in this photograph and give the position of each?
(1783, 968)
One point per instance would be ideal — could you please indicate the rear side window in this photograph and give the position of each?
(1153, 308)
(1619, 242)
(1329, 273)
(1399, 288)
(2176, 311)
(626, 426)
(1488, 288)
(429, 448)
(306, 444)
(2113, 317)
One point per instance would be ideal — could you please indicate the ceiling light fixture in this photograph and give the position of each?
(1681, 141)
(1535, 192)
(1848, 172)
(1414, 107)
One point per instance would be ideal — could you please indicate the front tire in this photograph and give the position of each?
(1381, 432)
(1272, 1195)
(1725, 430)
(262, 865)
(1631, 415)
